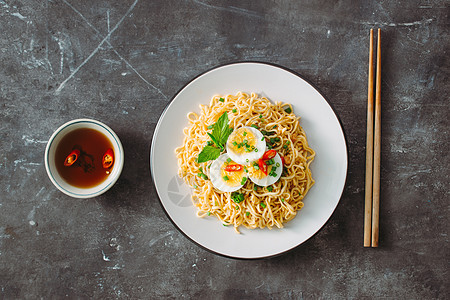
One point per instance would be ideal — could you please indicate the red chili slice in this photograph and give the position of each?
(269, 155)
(108, 159)
(262, 166)
(233, 168)
(72, 157)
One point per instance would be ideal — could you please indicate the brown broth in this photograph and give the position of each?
(87, 171)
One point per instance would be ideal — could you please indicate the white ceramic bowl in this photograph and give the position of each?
(55, 177)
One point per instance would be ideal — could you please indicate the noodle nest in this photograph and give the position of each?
(262, 206)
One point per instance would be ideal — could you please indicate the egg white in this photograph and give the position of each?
(269, 180)
(216, 176)
(247, 157)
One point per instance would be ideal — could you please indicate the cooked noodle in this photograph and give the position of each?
(261, 207)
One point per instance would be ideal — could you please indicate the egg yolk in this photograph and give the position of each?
(231, 178)
(242, 140)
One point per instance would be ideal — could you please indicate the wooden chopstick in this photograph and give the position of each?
(369, 152)
(377, 150)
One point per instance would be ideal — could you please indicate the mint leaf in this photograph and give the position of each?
(208, 153)
(219, 136)
(214, 139)
(221, 131)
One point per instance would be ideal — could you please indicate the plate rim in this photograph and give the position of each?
(295, 73)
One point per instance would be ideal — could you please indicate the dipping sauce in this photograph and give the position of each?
(87, 171)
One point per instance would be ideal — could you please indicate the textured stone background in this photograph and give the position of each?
(120, 62)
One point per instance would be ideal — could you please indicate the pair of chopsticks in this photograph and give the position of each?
(373, 151)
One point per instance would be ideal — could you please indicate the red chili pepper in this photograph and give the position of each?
(269, 155)
(262, 166)
(72, 157)
(233, 168)
(108, 159)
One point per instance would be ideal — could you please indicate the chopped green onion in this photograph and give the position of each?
(274, 126)
(245, 133)
(204, 176)
(288, 110)
(237, 197)
(269, 188)
(234, 143)
(263, 205)
(247, 213)
(282, 199)
(256, 167)
(210, 126)
(228, 160)
(234, 110)
(225, 178)
(260, 116)
(254, 126)
(221, 99)
(255, 187)
(244, 179)
(256, 149)
(262, 139)
(237, 207)
(209, 213)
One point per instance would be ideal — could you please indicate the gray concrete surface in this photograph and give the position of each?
(120, 62)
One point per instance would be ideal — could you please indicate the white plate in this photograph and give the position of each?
(325, 136)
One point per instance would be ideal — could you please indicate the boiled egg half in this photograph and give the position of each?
(227, 175)
(245, 145)
(267, 174)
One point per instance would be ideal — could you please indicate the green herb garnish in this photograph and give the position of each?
(237, 197)
(219, 136)
(208, 153)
